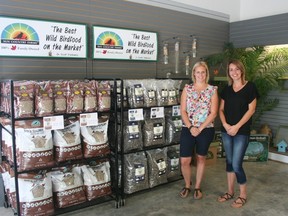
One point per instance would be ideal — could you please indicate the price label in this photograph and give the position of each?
(176, 110)
(88, 119)
(157, 112)
(135, 114)
(53, 122)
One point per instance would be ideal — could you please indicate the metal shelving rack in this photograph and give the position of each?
(122, 154)
(115, 191)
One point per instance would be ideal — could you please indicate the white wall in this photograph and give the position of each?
(251, 9)
(187, 7)
(230, 7)
(237, 10)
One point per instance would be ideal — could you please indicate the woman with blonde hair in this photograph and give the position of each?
(199, 106)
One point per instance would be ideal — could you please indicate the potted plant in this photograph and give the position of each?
(263, 67)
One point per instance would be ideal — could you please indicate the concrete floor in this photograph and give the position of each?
(267, 196)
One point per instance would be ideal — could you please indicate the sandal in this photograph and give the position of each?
(239, 202)
(184, 192)
(225, 197)
(198, 194)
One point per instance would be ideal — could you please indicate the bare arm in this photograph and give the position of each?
(183, 106)
(222, 116)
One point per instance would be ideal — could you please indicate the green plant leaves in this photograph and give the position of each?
(263, 67)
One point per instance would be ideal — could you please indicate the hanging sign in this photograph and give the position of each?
(124, 44)
(38, 38)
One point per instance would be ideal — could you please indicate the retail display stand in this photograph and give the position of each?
(147, 158)
(133, 168)
(9, 121)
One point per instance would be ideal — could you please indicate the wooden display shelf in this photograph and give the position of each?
(277, 156)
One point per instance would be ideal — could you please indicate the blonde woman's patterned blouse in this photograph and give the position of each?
(198, 104)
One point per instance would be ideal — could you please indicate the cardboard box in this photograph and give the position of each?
(211, 157)
(258, 148)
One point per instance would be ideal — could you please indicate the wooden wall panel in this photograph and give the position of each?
(278, 116)
(272, 30)
(211, 35)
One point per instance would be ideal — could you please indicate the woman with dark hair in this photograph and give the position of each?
(237, 105)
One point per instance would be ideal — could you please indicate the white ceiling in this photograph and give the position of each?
(227, 10)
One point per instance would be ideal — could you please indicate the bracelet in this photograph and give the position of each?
(190, 127)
